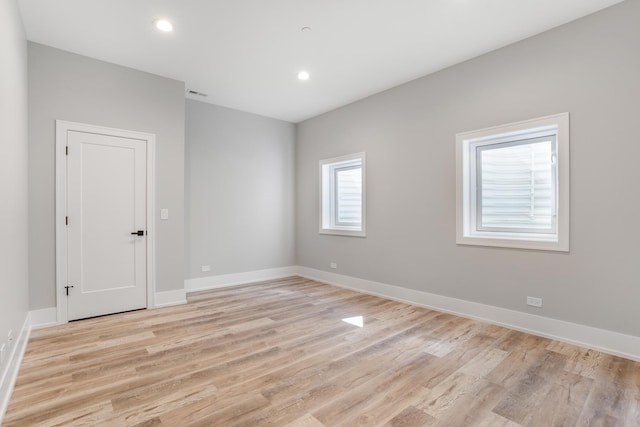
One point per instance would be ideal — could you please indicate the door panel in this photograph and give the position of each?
(106, 202)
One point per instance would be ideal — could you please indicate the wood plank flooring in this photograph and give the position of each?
(278, 353)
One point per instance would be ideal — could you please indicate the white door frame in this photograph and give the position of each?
(62, 128)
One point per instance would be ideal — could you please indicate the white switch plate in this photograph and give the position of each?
(534, 302)
(333, 265)
(2, 352)
(206, 268)
(164, 213)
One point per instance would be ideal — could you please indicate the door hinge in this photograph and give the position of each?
(67, 288)
(66, 150)
(66, 220)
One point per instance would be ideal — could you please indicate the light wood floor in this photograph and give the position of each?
(278, 353)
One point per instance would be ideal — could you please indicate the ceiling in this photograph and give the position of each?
(245, 54)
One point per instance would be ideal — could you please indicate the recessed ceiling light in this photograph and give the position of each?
(303, 75)
(163, 25)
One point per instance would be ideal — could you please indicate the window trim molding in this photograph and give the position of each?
(465, 234)
(326, 209)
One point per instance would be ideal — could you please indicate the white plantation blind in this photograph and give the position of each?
(348, 195)
(516, 186)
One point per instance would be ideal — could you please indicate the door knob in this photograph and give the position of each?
(138, 233)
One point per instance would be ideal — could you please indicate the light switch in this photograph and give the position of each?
(164, 213)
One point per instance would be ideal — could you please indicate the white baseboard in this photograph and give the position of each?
(169, 298)
(614, 343)
(224, 280)
(43, 317)
(48, 316)
(10, 374)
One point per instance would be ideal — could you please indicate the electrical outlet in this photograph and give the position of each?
(333, 265)
(206, 268)
(164, 213)
(534, 302)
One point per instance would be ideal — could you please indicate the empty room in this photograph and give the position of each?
(319, 213)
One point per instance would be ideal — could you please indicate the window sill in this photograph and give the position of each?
(517, 242)
(337, 232)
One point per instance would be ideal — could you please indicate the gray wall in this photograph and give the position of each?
(67, 86)
(590, 68)
(239, 191)
(14, 279)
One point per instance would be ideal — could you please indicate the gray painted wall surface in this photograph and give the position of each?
(239, 191)
(14, 279)
(590, 68)
(67, 86)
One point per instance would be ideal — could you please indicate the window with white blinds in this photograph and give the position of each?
(348, 195)
(513, 185)
(342, 195)
(516, 186)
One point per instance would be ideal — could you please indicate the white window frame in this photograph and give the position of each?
(329, 223)
(467, 145)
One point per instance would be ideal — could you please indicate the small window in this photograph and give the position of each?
(342, 195)
(513, 185)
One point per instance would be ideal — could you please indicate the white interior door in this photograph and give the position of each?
(106, 206)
